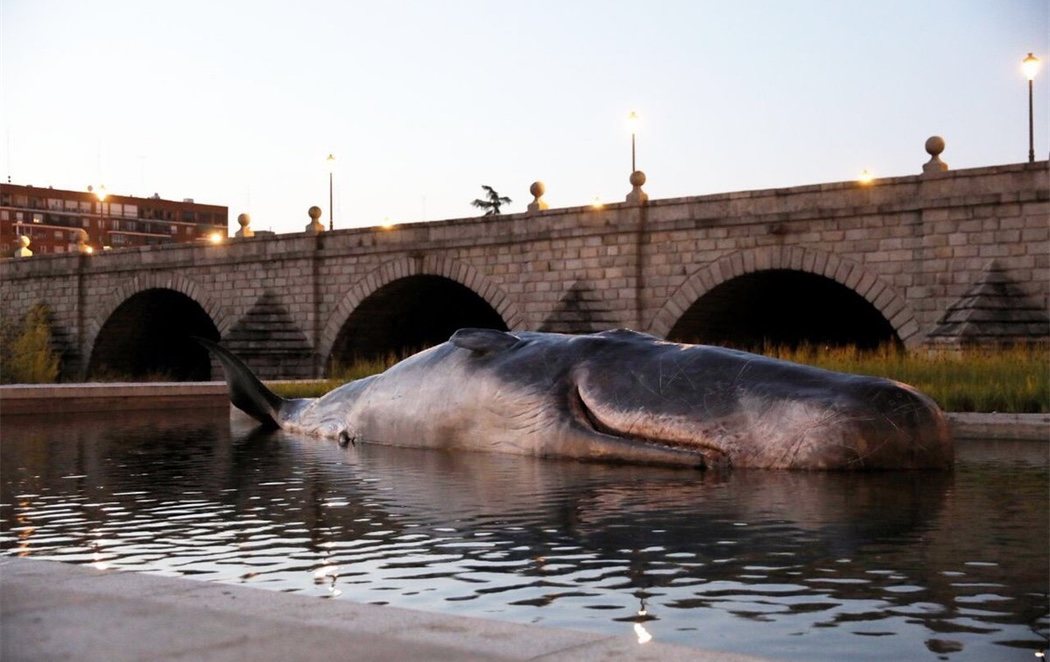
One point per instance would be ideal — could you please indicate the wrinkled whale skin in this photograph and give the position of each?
(618, 396)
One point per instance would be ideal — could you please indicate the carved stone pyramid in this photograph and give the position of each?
(994, 311)
(580, 310)
(270, 341)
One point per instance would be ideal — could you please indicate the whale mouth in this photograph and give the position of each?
(693, 451)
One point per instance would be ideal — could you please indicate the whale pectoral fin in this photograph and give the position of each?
(483, 341)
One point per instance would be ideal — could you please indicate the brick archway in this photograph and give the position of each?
(852, 275)
(151, 281)
(459, 272)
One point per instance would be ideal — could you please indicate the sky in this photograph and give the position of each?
(238, 102)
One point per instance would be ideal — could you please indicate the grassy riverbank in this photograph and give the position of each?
(1013, 381)
(1007, 381)
(341, 374)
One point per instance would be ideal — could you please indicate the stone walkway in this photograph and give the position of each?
(58, 611)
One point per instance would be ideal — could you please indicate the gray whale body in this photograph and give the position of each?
(617, 396)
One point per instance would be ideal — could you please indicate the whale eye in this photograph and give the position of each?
(483, 341)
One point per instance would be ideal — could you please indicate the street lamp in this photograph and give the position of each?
(331, 167)
(100, 193)
(632, 121)
(1030, 66)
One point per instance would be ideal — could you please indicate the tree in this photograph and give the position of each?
(491, 205)
(29, 358)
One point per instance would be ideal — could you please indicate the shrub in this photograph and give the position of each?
(28, 357)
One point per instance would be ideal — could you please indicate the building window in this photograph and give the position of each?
(174, 229)
(38, 218)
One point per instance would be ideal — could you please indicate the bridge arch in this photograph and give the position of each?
(144, 328)
(436, 273)
(830, 273)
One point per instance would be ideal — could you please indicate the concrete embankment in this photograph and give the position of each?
(58, 611)
(110, 396)
(1028, 427)
(46, 398)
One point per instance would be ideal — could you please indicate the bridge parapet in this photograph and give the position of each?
(915, 245)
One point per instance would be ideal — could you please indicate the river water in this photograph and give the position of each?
(906, 565)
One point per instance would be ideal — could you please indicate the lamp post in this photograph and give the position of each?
(100, 193)
(632, 121)
(331, 167)
(1030, 66)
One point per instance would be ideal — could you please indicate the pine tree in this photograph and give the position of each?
(493, 203)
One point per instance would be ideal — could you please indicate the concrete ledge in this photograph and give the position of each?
(56, 611)
(1027, 427)
(110, 396)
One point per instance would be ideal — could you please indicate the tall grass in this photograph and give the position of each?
(339, 374)
(1013, 380)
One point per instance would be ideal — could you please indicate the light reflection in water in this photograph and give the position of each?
(640, 632)
(790, 565)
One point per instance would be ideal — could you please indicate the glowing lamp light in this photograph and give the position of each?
(387, 224)
(89, 250)
(866, 177)
(100, 193)
(596, 203)
(1030, 66)
(215, 237)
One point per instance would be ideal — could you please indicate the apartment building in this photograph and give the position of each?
(53, 219)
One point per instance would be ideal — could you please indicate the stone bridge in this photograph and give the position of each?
(954, 257)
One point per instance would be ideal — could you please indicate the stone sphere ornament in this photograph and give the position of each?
(538, 203)
(934, 147)
(315, 226)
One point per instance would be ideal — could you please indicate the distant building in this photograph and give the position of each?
(53, 218)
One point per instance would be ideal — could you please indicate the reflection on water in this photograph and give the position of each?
(790, 565)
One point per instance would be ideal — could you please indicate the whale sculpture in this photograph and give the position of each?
(618, 396)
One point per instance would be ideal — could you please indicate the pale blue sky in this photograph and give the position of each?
(239, 102)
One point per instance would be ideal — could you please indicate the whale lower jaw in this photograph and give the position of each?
(650, 449)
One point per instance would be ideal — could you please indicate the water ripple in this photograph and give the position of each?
(788, 565)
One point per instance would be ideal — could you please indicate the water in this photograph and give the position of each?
(790, 565)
